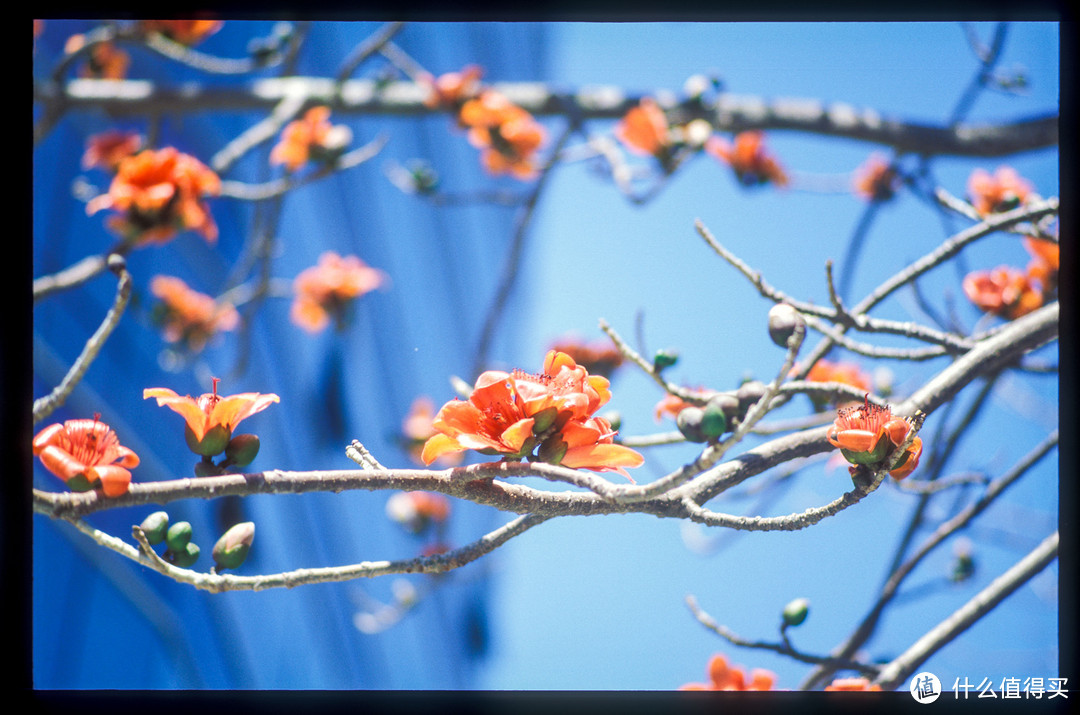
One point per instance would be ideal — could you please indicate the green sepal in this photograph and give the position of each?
(543, 419)
(213, 442)
(79, 483)
(873, 456)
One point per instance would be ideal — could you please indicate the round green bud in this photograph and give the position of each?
(713, 419)
(749, 393)
(154, 527)
(689, 423)
(728, 402)
(242, 449)
(232, 548)
(184, 557)
(664, 359)
(178, 536)
(796, 611)
(212, 443)
(783, 322)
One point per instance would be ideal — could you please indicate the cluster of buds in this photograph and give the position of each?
(229, 552)
(868, 435)
(722, 412)
(209, 421)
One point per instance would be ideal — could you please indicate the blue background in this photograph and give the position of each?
(575, 603)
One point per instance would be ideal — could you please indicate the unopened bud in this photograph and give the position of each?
(783, 322)
(155, 526)
(689, 424)
(184, 557)
(796, 611)
(713, 419)
(664, 359)
(178, 536)
(242, 449)
(232, 548)
(728, 402)
(749, 393)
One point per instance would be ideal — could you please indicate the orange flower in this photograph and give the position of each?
(160, 191)
(327, 288)
(186, 32)
(599, 358)
(418, 427)
(1003, 191)
(1045, 263)
(310, 137)
(189, 316)
(514, 413)
(108, 149)
(1004, 291)
(671, 405)
(210, 418)
(725, 677)
(104, 60)
(845, 373)
(418, 510)
(876, 180)
(852, 685)
(644, 129)
(506, 134)
(752, 162)
(452, 88)
(868, 434)
(86, 454)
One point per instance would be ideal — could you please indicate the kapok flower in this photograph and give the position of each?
(210, 418)
(86, 454)
(748, 157)
(644, 130)
(852, 685)
(104, 60)
(846, 373)
(725, 677)
(869, 434)
(599, 358)
(188, 316)
(186, 32)
(451, 89)
(506, 134)
(1005, 291)
(876, 179)
(159, 192)
(326, 289)
(590, 444)
(108, 149)
(418, 427)
(310, 137)
(1003, 191)
(418, 510)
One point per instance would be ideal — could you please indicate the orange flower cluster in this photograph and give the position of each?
(418, 427)
(108, 149)
(451, 90)
(876, 179)
(1009, 292)
(507, 136)
(599, 358)
(1003, 191)
(852, 685)
(749, 158)
(310, 137)
(868, 434)
(210, 419)
(725, 677)
(188, 316)
(326, 289)
(159, 192)
(104, 60)
(86, 454)
(513, 414)
(186, 32)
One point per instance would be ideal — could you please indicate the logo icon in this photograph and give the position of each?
(925, 687)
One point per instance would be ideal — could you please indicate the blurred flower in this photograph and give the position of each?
(210, 418)
(751, 161)
(188, 316)
(1003, 191)
(846, 373)
(186, 32)
(644, 130)
(310, 137)
(159, 192)
(86, 454)
(108, 149)
(418, 427)
(506, 134)
(1005, 291)
(325, 289)
(417, 510)
(868, 433)
(599, 358)
(103, 61)
(671, 405)
(876, 179)
(451, 89)
(852, 685)
(725, 677)
(1045, 263)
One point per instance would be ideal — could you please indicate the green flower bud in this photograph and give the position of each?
(689, 423)
(184, 557)
(713, 419)
(796, 611)
(783, 322)
(664, 359)
(749, 393)
(212, 443)
(543, 419)
(553, 450)
(232, 548)
(728, 403)
(242, 449)
(154, 527)
(178, 536)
